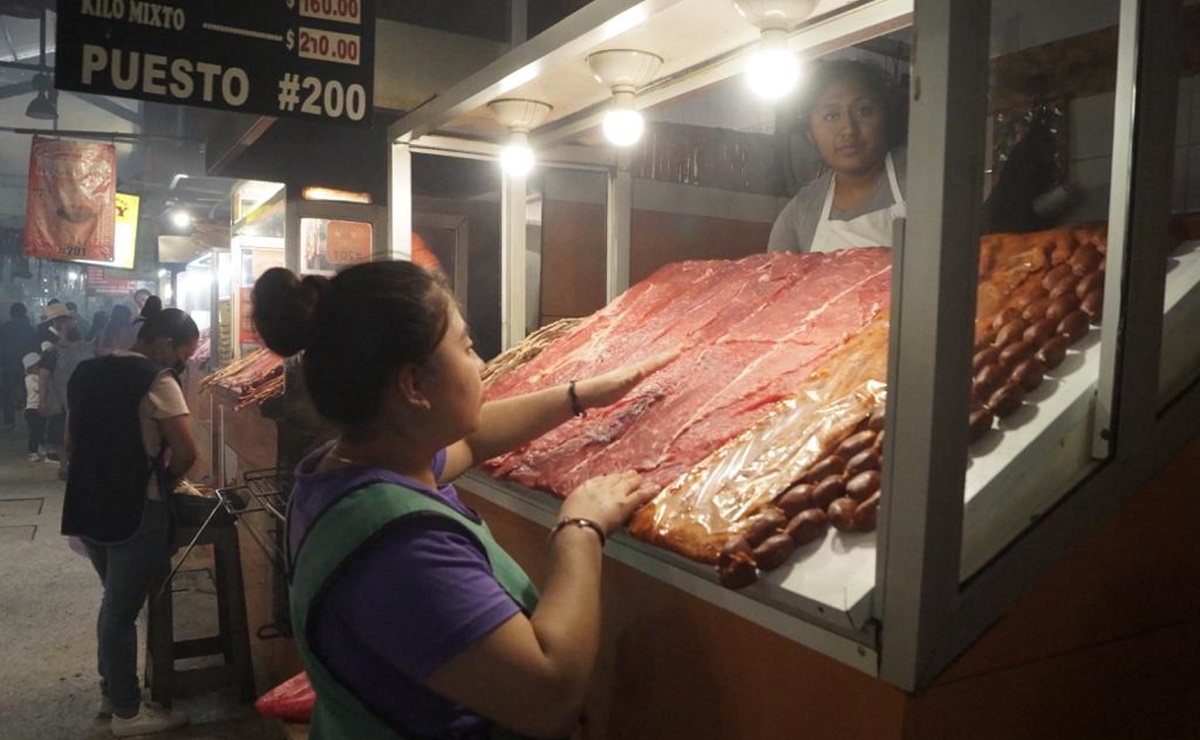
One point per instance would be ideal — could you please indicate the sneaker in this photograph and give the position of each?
(50, 459)
(104, 708)
(148, 720)
(34, 457)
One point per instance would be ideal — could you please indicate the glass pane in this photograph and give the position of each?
(1181, 314)
(771, 409)
(1049, 157)
(708, 178)
(573, 240)
(456, 227)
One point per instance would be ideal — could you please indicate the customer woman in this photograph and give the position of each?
(99, 322)
(120, 332)
(410, 619)
(850, 119)
(128, 441)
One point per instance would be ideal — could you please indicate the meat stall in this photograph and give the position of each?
(973, 406)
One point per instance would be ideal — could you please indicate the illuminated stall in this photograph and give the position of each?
(971, 519)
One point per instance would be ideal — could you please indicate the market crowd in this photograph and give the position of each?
(38, 357)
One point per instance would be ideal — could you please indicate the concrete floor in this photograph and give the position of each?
(48, 601)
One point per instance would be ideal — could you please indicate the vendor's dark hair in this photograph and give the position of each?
(158, 322)
(357, 330)
(878, 83)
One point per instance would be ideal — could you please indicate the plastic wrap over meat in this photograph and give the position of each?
(698, 513)
(751, 331)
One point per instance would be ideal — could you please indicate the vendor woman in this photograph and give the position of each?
(859, 194)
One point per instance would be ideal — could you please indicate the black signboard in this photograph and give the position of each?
(311, 59)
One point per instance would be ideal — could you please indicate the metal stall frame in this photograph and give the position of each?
(924, 612)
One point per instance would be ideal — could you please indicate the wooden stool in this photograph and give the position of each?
(232, 641)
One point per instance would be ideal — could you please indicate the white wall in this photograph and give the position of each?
(1090, 165)
(1023, 24)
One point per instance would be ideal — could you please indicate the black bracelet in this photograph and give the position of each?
(580, 522)
(573, 397)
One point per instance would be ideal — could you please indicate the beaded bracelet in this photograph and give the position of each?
(578, 522)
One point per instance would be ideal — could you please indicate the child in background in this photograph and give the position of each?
(33, 397)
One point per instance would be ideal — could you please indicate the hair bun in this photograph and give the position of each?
(151, 309)
(284, 307)
(314, 288)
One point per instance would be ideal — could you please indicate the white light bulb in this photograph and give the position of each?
(516, 159)
(181, 219)
(623, 126)
(773, 70)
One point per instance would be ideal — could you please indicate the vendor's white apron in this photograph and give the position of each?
(872, 229)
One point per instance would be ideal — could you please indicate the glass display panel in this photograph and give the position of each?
(253, 262)
(1181, 310)
(456, 223)
(709, 176)
(774, 406)
(1048, 163)
(571, 244)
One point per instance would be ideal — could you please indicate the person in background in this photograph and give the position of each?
(128, 442)
(84, 325)
(35, 423)
(70, 351)
(51, 407)
(140, 296)
(410, 619)
(119, 333)
(17, 338)
(849, 115)
(54, 318)
(99, 321)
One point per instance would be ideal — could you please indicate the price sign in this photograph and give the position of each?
(343, 48)
(311, 59)
(324, 98)
(344, 11)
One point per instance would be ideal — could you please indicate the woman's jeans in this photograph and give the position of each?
(36, 424)
(125, 571)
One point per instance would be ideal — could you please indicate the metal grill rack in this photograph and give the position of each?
(269, 489)
(266, 491)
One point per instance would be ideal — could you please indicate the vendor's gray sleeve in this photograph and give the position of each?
(783, 233)
(797, 222)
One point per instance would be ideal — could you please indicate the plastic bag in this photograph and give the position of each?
(291, 700)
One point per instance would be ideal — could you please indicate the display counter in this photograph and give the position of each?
(964, 529)
(681, 657)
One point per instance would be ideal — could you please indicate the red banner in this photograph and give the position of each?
(71, 207)
(101, 282)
